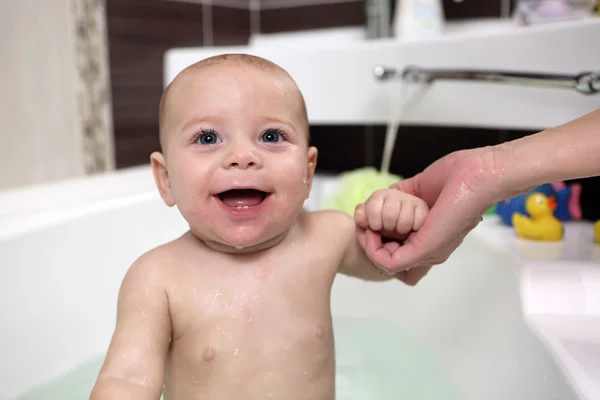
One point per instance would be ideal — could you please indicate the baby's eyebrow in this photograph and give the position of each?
(275, 120)
(199, 120)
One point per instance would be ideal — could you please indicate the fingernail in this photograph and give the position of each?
(382, 270)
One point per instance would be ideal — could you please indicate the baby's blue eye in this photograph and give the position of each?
(207, 138)
(272, 136)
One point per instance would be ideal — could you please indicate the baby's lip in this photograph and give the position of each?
(242, 198)
(258, 188)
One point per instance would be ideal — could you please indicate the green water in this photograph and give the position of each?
(375, 361)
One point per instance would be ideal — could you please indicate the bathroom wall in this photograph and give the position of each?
(55, 120)
(139, 35)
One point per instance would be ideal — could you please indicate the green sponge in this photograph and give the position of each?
(356, 186)
(491, 211)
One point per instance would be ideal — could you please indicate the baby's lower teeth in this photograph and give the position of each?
(240, 207)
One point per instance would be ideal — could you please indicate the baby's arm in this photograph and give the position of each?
(389, 213)
(135, 363)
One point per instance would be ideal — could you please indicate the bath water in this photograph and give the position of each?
(374, 360)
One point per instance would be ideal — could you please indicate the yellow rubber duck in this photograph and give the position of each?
(542, 225)
(597, 231)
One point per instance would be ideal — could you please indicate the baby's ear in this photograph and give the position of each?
(161, 177)
(312, 165)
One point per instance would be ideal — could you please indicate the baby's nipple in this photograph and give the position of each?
(320, 331)
(208, 354)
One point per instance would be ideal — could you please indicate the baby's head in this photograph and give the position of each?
(235, 150)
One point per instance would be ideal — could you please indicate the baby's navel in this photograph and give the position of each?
(208, 354)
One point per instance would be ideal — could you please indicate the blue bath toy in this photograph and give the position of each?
(562, 200)
(567, 199)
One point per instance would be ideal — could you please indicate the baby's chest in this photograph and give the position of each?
(261, 337)
(254, 320)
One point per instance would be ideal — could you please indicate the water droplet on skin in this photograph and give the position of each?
(217, 294)
(235, 352)
(223, 332)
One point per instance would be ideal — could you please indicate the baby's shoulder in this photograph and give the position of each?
(321, 216)
(332, 224)
(154, 265)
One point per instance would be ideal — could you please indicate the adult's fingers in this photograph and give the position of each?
(412, 276)
(375, 249)
(409, 185)
(447, 223)
(379, 252)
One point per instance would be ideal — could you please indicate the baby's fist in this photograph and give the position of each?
(391, 211)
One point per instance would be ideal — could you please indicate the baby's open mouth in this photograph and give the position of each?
(242, 198)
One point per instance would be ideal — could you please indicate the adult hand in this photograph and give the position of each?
(459, 188)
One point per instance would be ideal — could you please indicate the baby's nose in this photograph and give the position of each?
(242, 158)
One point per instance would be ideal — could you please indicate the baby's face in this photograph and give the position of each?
(237, 158)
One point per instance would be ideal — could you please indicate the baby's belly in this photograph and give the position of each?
(279, 358)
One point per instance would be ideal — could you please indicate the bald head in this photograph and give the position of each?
(223, 61)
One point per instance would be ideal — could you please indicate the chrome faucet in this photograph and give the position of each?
(587, 82)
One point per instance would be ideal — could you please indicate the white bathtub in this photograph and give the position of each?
(460, 334)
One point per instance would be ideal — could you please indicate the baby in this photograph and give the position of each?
(238, 306)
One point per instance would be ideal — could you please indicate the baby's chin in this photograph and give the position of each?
(240, 239)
